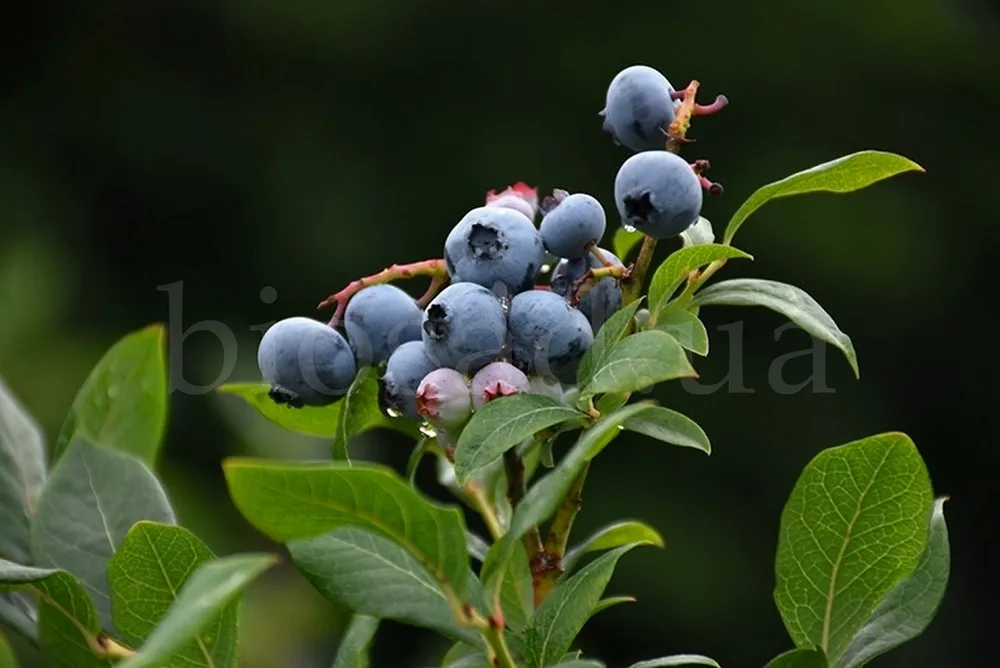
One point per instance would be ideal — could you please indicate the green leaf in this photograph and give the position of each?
(375, 576)
(854, 526)
(671, 427)
(640, 361)
(629, 532)
(147, 573)
(7, 657)
(356, 643)
(624, 241)
(679, 264)
(909, 608)
(517, 595)
(424, 446)
(699, 233)
(677, 660)
(68, 625)
(462, 655)
(799, 658)
(611, 602)
(561, 616)
(544, 497)
(214, 587)
(846, 174)
(687, 328)
(500, 425)
(611, 332)
(360, 412)
(580, 663)
(83, 514)
(788, 300)
(318, 421)
(123, 403)
(22, 474)
(300, 500)
(19, 613)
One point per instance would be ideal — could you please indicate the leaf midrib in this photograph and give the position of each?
(508, 426)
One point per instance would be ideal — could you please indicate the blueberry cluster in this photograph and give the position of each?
(494, 330)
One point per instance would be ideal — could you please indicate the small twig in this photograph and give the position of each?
(493, 634)
(110, 649)
(632, 288)
(549, 568)
(599, 254)
(516, 489)
(437, 283)
(583, 284)
(436, 269)
(481, 504)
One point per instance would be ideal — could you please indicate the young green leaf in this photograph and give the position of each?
(639, 361)
(679, 264)
(544, 497)
(83, 514)
(799, 658)
(677, 660)
(687, 328)
(356, 643)
(671, 427)
(146, 575)
(301, 500)
(909, 608)
(22, 474)
(607, 337)
(360, 412)
(698, 234)
(68, 625)
(500, 425)
(629, 532)
(853, 527)
(611, 602)
(375, 576)
(561, 616)
(318, 421)
(7, 657)
(788, 300)
(516, 591)
(214, 587)
(843, 175)
(624, 241)
(123, 403)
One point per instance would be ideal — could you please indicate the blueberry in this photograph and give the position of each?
(496, 380)
(407, 366)
(574, 222)
(638, 108)
(519, 197)
(378, 319)
(306, 362)
(443, 398)
(464, 327)
(658, 193)
(547, 335)
(496, 247)
(600, 301)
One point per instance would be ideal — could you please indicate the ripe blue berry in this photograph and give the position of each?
(575, 221)
(496, 247)
(465, 327)
(658, 193)
(602, 299)
(306, 362)
(444, 399)
(407, 366)
(547, 335)
(378, 319)
(495, 380)
(638, 108)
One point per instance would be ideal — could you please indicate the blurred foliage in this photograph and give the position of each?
(265, 153)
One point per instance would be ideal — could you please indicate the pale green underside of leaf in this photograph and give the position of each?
(83, 515)
(614, 535)
(303, 500)
(502, 424)
(214, 587)
(699, 233)
(788, 300)
(799, 658)
(356, 643)
(22, 474)
(909, 608)
(677, 660)
(672, 272)
(123, 403)
(19, 613)
(146, 575)
(671, 427)
(845, 174)
(318, 421)
(854, 526)
(687, 328)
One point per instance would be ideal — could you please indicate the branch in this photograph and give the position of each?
(632, 288)
(547, 567)
(516, 489)
(433, 268)
(583, 285)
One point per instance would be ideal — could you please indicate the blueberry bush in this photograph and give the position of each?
(529, 332)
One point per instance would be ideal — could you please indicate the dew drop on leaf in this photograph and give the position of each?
(393, 413)
(628, 228)
(427, 430)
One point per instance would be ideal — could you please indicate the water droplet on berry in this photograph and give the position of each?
(546, 268)
(393, 413)
(621, 427)
(427, 430)
(628, 228)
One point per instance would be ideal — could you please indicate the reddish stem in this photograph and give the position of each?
(713, 187)
(721, 101)
(599, 254)
(583, 284)
(434, 268)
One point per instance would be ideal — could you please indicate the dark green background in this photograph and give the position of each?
(241, 145)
